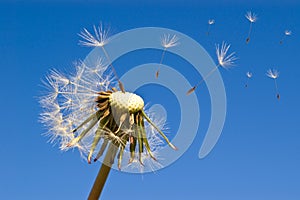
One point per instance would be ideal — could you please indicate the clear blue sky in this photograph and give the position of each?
(258, 154)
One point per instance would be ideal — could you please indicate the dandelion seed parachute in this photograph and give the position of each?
(224, 61)
(249, 76)
(167, 41)
(209, 22)
(274, 74)
(286, 33)
(252, 17)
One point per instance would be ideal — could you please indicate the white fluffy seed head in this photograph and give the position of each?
(126, 101)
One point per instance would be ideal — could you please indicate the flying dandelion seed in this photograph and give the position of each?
(252, 17)
(274, 74)
(224, 61)
(167, 41)
(87, 112)
(210, 22)
(249, 76)
(286, 33)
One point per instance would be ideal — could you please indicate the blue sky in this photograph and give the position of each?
(258, 154)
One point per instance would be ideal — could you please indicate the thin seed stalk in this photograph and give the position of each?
(250, 29)
(283, 37)
(121, 86)
(249, 32)
(162, 55)
(276, 88)
(210, 73)
(247, 81)
(208, 29)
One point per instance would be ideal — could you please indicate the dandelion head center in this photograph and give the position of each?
(126, 101)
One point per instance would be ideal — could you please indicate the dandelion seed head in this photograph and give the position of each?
(252, 17)
(168, 41)
(211, 21)
(288, 32)
(272, 73)
(224, 60)
(80, 111)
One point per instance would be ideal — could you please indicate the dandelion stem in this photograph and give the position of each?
(103, 173)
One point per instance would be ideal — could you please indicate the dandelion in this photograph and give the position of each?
(249, 76)
(224, 61)
(85, 111)
(274, 74)
(286, 33)
(210, 22)
(167, 41)
(252, 17)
